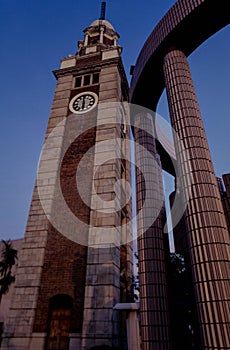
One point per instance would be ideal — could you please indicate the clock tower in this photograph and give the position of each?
(77, 241)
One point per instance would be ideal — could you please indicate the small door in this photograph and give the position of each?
(59, 330)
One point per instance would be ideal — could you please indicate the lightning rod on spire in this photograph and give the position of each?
(103, 5)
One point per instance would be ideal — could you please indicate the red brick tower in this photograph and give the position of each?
(68, 278)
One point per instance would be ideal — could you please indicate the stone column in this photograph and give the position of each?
(86, 41)
(154, 313)
(132, 324)
(208, 238)
(102, 288)
(101, 35)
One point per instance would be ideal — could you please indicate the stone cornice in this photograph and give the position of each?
(94, 66)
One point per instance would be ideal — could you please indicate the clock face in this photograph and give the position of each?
(83, 102)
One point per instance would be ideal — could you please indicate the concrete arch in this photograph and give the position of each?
(185, 26)
(163, 63)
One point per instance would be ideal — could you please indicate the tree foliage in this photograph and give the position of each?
(8, 260)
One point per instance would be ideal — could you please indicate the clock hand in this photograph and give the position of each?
(83, 102)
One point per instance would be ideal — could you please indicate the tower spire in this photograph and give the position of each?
(103, 6)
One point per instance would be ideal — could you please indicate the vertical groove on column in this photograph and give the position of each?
(151, 246)
(208, 238)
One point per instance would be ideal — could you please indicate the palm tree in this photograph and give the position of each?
(8, 260)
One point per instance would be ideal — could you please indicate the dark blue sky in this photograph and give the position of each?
(35, 35)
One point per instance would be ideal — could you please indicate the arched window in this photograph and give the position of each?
(59, 322)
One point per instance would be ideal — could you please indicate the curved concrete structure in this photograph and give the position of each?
(163, 63)
(185, 26)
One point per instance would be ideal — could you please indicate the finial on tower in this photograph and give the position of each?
(103, 5)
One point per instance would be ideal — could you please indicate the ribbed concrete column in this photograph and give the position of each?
(208, 238)
(154, 311)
